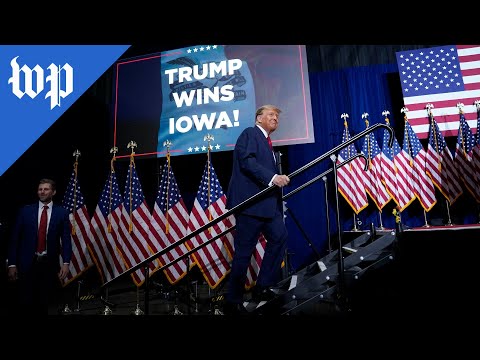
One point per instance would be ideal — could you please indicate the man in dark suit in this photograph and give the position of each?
(34, 263)
(254, 169)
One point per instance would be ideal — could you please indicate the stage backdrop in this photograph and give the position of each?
(182, 95)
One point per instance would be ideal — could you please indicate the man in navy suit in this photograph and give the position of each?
(254, 169)
(37, 271)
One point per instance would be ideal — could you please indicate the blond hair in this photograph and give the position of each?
(261, 109)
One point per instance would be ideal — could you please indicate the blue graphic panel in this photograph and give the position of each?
(38, 83)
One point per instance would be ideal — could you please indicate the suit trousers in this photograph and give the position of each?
(248, 229)
(38, 287)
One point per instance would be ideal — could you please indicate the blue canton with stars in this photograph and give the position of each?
(104, 203)
(436, 139)
(390, 152)
(215, 189)
(68, 200)
(430, 71)
(465, 138)
(411, 144)
(135, 188)
(167, 180)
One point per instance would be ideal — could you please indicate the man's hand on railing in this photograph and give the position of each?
(281, 180)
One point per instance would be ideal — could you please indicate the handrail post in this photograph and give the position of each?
(341, 272)
(146, 292)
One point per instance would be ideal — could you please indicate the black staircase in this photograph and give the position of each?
(326, 279)
(318, 282)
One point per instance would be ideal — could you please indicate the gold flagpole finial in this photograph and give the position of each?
(365, 116)
(460, 107)
(429, 108)
(77, 154)
(344, 116)
(477, 104)
(132, 145)
(209, 138)
(113, 151)
(386, 113)
(404, 111)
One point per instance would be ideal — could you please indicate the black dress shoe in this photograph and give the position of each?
(234, 309)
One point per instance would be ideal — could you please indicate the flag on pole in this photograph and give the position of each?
(441, 76)
(463, 157)
(107, 233)
(213, 259)
(372, 177)
(439, 163)
(350, 184)
(396, 172)
(169, 224)
(476, 148)
(136, 219)
(256, 262)
(416, 156)
(80, 231)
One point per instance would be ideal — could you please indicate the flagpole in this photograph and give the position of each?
(208, 138)
(106, 310)
(380, 216)
(167, 144)
(425, 216)
(113, 151)
(137, 310)
(355, 223)
(449, 223)
(132, 144)
(328, 217)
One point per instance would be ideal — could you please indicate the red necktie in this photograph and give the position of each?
(270, 143)
(42, 231)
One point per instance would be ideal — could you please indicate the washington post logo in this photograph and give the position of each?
(56, 80)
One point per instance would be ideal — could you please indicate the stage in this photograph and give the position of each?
(434, 271)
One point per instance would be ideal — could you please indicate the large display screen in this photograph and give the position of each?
(197, 97)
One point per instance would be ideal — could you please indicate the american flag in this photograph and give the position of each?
(396, 172)
(213, 259)
(108, 234)
(464, 161)
(350, 184)
(440, 166)
(442, 76)
(476, 148)
(416, 156)
(139, 243)
(372, 177)
(256, 262)
(169, 224)
(81, 235)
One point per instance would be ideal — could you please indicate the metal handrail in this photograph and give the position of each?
(250, 200)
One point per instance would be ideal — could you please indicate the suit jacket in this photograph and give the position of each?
(23, 244)
(253, 168)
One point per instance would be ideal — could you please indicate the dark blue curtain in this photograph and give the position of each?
(354, 91)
